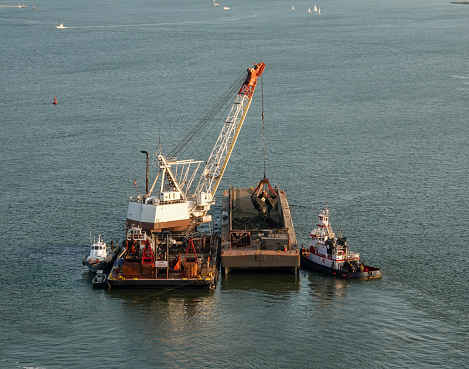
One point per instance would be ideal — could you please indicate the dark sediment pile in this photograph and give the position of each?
(256, 222)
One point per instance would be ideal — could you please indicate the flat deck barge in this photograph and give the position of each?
(252, 240)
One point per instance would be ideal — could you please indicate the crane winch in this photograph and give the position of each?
(176, 208)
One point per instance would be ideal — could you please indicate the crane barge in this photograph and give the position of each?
(162, 246)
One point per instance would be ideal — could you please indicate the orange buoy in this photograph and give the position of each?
(55, 101)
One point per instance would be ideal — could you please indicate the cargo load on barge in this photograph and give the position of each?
(164, 246)
(164, 261)
(257, 230)
(331, 255)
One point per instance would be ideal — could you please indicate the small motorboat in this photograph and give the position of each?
(99, 279)
(330, 255)
(61, 26)
(101, 255)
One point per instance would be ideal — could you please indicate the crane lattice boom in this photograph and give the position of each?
(174, 208)
(221, 152)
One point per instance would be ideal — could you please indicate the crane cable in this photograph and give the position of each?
(263, 125)
(202, 123)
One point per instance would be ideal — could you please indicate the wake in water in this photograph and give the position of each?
(464, 80)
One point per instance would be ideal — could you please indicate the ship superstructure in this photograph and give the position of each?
(328, 250)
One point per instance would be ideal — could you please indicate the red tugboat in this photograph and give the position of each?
(330, 255)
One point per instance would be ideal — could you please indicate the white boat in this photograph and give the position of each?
(309, 11)
(293, 7)
(215, 3)
(61, 26)
(226, 8)
(101, 256)
(319, 11)
(100, 278)
(315, 8)
(330, 255)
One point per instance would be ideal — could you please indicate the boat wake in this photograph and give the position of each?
(464, 80)
(215, 21)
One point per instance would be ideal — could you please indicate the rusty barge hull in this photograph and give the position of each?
(253, 242)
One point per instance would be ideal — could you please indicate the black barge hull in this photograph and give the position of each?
(199, 282)
(162, 283)
(371, 273)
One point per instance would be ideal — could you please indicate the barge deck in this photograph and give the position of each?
(167, 261)
(256, 240)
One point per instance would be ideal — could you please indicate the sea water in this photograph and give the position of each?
(365, 109)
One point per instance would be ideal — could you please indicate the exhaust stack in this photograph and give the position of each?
(146, 183)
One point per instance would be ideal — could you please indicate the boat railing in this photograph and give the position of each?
(352, 256)
(139, 237)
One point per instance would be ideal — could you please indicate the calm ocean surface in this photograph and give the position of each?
(366, 109)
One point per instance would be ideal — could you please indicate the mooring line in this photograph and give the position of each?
(165, 290)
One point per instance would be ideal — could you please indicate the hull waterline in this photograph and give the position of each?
(368, 273)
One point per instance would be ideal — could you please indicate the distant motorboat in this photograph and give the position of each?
(226, 8)
(60, 26)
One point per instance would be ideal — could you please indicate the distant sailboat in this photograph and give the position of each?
(319, 11)
(292, 7)
(309, 11)
(215, 3)
(315, 9)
